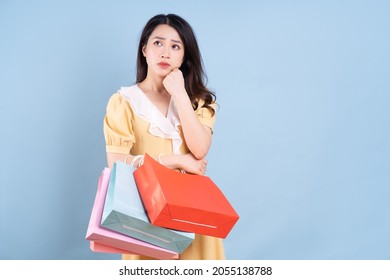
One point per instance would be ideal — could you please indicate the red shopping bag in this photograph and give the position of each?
(182, 201)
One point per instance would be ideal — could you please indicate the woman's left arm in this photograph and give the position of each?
(197, 136)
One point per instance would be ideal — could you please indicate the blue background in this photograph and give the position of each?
(301, 143)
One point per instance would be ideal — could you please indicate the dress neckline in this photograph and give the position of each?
(166, 116)
(159, 125)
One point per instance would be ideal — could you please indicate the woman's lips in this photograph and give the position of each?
(163, 65)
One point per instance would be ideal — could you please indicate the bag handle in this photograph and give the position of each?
(141, 157)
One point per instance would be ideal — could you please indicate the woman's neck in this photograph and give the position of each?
(153, 84)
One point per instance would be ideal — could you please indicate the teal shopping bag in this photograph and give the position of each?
(124, 212)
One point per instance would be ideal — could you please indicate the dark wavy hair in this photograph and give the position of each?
(192, 67)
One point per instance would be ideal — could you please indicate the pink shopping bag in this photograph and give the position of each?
(101, 248)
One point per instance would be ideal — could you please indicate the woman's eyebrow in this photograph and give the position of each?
(162, 38)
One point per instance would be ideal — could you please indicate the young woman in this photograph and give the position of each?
(169, 113)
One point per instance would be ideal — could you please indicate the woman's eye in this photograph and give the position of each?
(158, 43)
(176, 47)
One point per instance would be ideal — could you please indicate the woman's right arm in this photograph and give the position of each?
(118, 131)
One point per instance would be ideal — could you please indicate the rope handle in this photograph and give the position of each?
(135, 158)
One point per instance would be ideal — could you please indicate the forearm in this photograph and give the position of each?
(196, 135)
(170, 161)
(186, 162)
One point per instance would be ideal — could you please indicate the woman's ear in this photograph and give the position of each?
(144, 51)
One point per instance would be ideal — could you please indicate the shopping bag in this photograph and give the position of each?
(124, 213)
(183, 201)
(114, 239)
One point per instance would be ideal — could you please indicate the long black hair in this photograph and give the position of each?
(192, 67)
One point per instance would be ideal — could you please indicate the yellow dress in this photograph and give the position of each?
(134, 125)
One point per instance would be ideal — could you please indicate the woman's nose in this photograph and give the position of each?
(165, 53)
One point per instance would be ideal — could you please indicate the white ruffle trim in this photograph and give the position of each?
(160, 126)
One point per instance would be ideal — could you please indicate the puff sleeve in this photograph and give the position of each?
(205, 115)
(118, 130)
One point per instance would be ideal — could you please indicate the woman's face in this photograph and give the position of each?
(164, 50)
